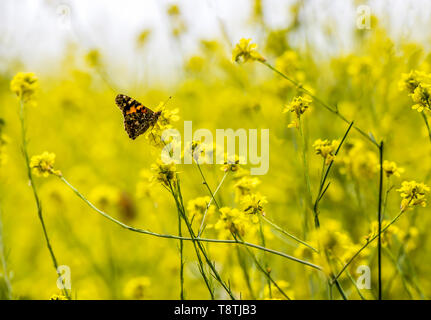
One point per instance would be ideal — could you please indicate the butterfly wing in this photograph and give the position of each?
(137, 117)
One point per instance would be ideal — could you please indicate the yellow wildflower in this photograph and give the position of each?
(359, 161)
(154, 134)
(422, 97)
(236, 222)
(164, 173)
(410, 81)
(387, 235)
(253, 203)
(326, 149)
(232, 164)
(298, 105)
(173, 10)
(25, 85)
(43, 164)
(413, 194)
(245, 51)
(390, 168)
(196, 208)
(244, 186)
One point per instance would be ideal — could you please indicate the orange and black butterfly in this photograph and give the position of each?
(137, 117)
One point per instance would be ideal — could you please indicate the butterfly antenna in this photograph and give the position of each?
(167, 100)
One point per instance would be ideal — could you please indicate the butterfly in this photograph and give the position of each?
(137, 117)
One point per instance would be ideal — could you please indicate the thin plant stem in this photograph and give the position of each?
(334, 110)
(379, 217)
(322, 189)
(263, 243)
(35, 193)
(181, 259)
(404, 278)
(262, 269)
(201, 228)
(198, 255)
(424, 116)
(4, 262)
(206, 184)
(276, 227)
(168, 236)
(306, 175)
(245, 272)
(368, 242)
(256, 261)
(211, 265)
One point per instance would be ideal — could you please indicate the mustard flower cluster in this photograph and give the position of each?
(164, 173)
(25, 86)
(246, 51)
(231, 164)
(326, 149)
(43, 165)
(245, 186)
(253, 203)
(391, 169)
(418, 85)
(154, 134)
(197, 207)
(298, 106)
(235, 221)
(413, 194)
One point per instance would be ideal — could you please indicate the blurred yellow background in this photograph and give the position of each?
(75, 117)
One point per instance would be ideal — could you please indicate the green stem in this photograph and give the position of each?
(35, 193)
(201, 228)
(367, 243)
(198, 255)
(309, 199)
(199, 244)
(379, 218)
(272, 224)
(168, 236)
(206, 184)
(4, 263)
(424, 116)
(321, 102)
(181, 259)
(322, 190)
(256, 261)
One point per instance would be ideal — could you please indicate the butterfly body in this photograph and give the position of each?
(137, 117)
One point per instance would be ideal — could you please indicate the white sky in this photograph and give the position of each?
(36, 31)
